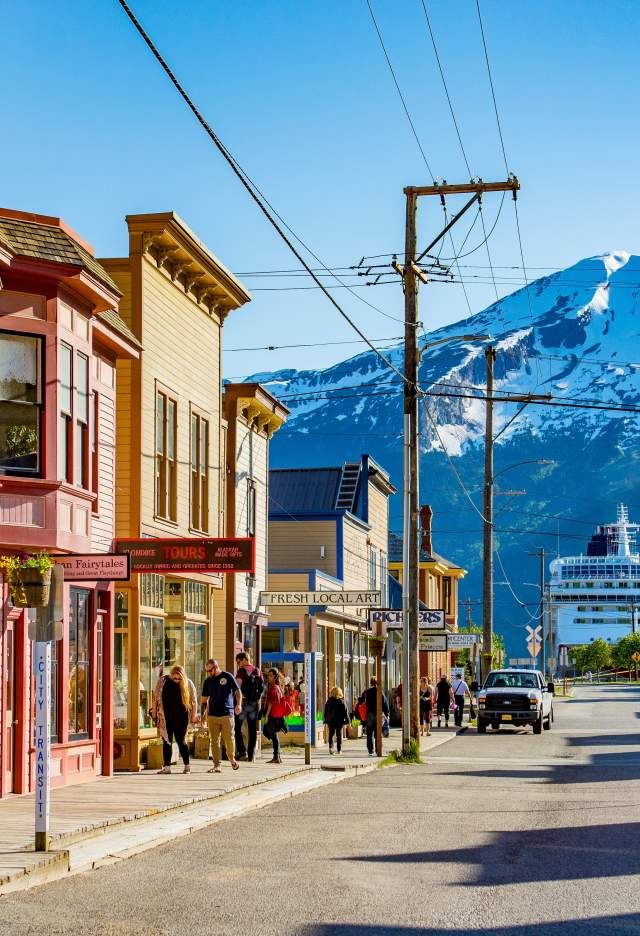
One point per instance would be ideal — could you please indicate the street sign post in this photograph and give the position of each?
(308, 598)
(45, 626)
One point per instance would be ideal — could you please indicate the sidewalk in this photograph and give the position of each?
(117, 816)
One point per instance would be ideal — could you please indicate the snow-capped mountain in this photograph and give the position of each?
(574, 334)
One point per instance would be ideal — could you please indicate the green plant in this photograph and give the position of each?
(21, 440)
(355, 722)
(14, 565)
(408, 755)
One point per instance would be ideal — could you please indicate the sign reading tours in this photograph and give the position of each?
(427, 620)
(106, 567)
(190, 555)
(344, 598)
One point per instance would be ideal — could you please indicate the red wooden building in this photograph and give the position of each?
(60, 337)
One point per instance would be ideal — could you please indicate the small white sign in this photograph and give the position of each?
(305, 599)
(464, 641)
(433, 642)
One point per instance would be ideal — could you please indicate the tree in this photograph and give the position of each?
(622, 651)
(463, 657)
(592, 656)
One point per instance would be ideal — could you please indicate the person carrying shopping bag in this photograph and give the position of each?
(173, 709)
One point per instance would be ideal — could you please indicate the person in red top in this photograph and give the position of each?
(274, 714)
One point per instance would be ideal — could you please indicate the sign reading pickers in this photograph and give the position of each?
(190, 555)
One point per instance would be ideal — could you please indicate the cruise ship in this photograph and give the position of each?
(597, 594)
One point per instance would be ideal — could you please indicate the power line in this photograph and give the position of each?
(313, 344)
(258, 197)
(400, 94)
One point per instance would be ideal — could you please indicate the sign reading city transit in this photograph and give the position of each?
(105, 567)
(427, 620)
(307, 598)
(190, 555)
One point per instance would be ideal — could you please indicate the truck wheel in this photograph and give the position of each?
(495, 725)
(537, 725)
(547, 722)
(481, 726)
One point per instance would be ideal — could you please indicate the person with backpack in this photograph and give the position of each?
(251, 682)
(444, 699)
(370, 700)
(336, 717)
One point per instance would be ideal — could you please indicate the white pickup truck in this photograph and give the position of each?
(515, 697)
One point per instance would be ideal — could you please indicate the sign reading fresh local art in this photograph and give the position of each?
(463, 641)
(108, 567)
(189, 555)
(426, 619)
(307, 598)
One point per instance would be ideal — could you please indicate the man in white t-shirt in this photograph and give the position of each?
(460, 688)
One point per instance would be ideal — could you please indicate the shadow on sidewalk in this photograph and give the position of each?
(620, 925)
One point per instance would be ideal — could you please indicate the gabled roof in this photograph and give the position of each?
(303, 490)
(49, 242)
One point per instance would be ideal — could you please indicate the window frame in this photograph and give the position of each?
(166, 465)
(199, 481)
(38, 472)
(75, 594)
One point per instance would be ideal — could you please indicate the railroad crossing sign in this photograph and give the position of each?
(534, 639)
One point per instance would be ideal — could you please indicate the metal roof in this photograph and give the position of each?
(303, 490)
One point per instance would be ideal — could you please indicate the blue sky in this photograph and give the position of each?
(301, 94)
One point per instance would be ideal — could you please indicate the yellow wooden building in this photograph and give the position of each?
(170, 455)
(438, 589)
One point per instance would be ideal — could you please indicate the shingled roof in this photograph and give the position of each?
(48, 242)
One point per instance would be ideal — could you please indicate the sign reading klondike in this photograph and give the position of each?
(351, 598)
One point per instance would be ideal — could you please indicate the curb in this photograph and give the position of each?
(132, 837)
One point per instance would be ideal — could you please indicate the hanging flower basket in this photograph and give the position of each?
(29, 579)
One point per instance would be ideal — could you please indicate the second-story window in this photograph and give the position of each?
(373, 567)
(20, 403)
(199, 473)
(251, 507)
(66, 412)
(81, 440)
(166, 457)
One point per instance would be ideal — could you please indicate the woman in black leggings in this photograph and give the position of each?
(174, 706)
(444, 698)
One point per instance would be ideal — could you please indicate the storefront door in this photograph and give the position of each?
(8, 690)
(100, 618)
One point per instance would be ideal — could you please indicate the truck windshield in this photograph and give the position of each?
(511, 681)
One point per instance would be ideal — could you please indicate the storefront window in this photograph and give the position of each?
(151, 664)
(121, 664)
(152, 591)
(291, 640)
(338, 661)
(322, 675)
(20, 403)
(173, 655)
(271, 640)
(195, 598)
(79, 662)
(250, 640)
(194, 652)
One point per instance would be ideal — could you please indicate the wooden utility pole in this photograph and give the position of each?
(411, 545)
(412, 274)
(487, 522)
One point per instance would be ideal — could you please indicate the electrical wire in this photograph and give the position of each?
(313, 344)
(254, 192)
(532, 617)
(400, 94)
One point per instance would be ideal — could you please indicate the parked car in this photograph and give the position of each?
(515, 697)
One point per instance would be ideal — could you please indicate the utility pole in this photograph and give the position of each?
(487, 522)
(411, 272)
(411, 545)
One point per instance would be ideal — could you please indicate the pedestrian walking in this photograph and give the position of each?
(370, 699)
(251, 682)
(173, 709)
(275, 712)
(426, 705)
(336, 717)
(460, 690)
(444, 699)
(221, 699)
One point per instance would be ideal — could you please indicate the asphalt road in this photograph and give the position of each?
(507, 834)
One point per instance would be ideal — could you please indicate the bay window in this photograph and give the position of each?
(20, 403)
